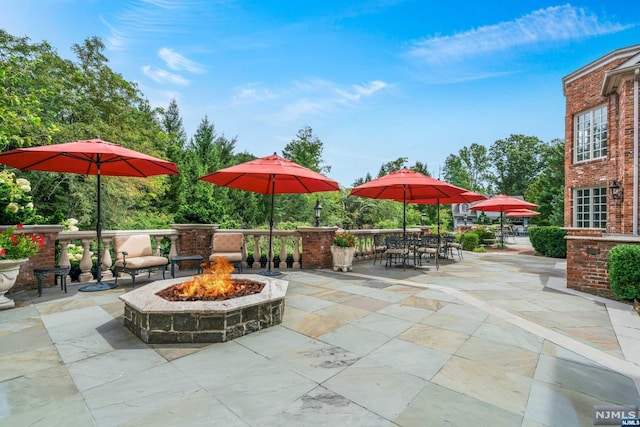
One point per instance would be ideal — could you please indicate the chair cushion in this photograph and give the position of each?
(229, 256)
(137, 245)
(143, 262)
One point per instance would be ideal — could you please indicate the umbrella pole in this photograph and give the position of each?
(501, 230)
(99, 285)
(270, 256)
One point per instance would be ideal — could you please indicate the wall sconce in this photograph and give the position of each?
(317, 209)
(423, 218)
(616, 191)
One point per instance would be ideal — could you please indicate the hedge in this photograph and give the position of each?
(549, 241)
(624, 271)
(470, 241)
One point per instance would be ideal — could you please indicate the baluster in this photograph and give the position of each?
(64, 257)
(256, 252)
(245, 240)
(158, 246)
(173, 252)
(107, 274)
(283, 252)
(86, 263)
(296, 252)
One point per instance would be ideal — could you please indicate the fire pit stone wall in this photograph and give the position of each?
(157, 321)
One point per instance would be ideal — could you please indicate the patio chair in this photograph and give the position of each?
(228, 246)
(396, 250)
(134, 255)
(430, 246)
(457, 246)
(379, 248)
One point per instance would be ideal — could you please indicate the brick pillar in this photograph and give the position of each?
(194, 239)
(46, 257)
(316, 246)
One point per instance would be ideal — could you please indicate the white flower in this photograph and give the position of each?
(21, 181)
(25, 187)
(13, 207)
(29, 205)
(73, 228)
(73, 221)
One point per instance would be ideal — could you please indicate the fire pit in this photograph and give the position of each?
(156, 320)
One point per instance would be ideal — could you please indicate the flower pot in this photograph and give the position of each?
(9, 269)
(342, 258)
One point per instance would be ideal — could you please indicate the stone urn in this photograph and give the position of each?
(342, 258)
(9, 270)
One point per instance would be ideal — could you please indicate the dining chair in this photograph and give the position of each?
(430, 245)
(396, 250)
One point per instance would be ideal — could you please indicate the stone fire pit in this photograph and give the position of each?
(158, 321)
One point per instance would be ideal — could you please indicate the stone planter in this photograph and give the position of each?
(9, 269)
(342, 258)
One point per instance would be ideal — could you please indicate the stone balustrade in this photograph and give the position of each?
(195, 239)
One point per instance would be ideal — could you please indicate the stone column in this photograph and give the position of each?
(316, 246)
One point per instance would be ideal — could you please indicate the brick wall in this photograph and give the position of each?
(194, 239)
(587, 254)
(582, 94)
(316, 245)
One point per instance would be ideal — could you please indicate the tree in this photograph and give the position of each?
(469, 169)
(306, 150)
(547, 190)
(517, 161)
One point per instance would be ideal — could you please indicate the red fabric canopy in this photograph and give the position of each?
(406, 185)
(88, 157)
(466, 197)
(502, 203)
(522, 212)
(272, 175)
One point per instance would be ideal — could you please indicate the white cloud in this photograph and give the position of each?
(544, 25)
(178, 62)
(305, 97)
(162, 76)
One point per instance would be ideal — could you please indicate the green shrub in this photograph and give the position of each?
(484, 233)
(470, 241)
(549, 241)
(624, 271)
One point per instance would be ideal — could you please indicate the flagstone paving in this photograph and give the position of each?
(494, 339)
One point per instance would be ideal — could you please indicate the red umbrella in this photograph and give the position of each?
(502, 203)
(522, 212)
(89, 157)
(465, 197)
(406, 185)
(272, 175)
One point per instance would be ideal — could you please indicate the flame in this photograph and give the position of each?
(214, 281)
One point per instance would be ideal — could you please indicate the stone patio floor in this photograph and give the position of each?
(495, 339)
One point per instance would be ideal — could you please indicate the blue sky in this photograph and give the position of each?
(375, 79)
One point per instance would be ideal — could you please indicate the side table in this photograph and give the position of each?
(177, 259)
(59, 272)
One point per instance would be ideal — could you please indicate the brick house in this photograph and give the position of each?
(601, 164)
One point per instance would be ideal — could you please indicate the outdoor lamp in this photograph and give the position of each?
(318, 210)
(423, 217)
(616, 191)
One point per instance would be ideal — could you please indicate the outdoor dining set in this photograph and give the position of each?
(414, 250)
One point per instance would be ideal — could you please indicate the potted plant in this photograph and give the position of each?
(343, 248)
(15, 249)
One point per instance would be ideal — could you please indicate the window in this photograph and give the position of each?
(590, 134)
(591, 207)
